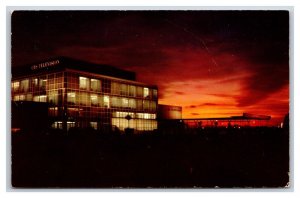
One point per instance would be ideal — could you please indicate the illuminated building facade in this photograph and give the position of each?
(81, 94)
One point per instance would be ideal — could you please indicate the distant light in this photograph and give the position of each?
(15, 130)
(281, 124)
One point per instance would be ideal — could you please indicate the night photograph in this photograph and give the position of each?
(150, 99)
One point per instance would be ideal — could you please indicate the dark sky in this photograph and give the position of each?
(213, 63)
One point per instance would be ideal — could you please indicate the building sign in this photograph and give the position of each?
(45, 65)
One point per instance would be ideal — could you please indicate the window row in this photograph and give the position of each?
(36, 84)
(78, 112)
(120, 123)
(85, 99)
(133, 115)
(54, 97)
(117, 88)
(29, 97)
(132, 90)
(137, 124)
(43, 83)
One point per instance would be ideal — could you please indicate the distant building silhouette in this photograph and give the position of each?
(245, 120)
(169, 112)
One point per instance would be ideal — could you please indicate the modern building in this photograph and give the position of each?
(169, 112)
(82, 94)
(170, 119)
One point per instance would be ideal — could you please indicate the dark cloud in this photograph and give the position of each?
(223, 95)
(191, 106)
(179, 93)
(211, 104)
(267, 79)
(207, 104)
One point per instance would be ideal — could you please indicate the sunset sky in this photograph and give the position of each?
(212, 63)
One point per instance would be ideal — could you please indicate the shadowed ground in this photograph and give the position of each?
(254, 157)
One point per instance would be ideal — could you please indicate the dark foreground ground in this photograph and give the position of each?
(223, 157)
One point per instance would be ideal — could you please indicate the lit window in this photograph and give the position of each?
(115, 102)
(24, 85)
(53, 96)
(124, 102)
(95, 85)
(119, 114)
(139, 92)
(35, 82)
(29, 97)
(139, 105)
(132, 103)
(106, 101)
(36, 98)
(94, 100)
(153, 105)
(19, 97)
(116, 114)
(59, 81)
(15, 86)
(132, 90)
(140, 115)
(41, 98)
(153, 116)
(94, 125)
(71, 98)
(83, 82)
(146, 92)
(146, 104)
(84, 99)
(115, 88)
(53, 111)
(57, 125)
(146, 115)
(70, 125)
(124, 89)
(16, 98)
(43, 83)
